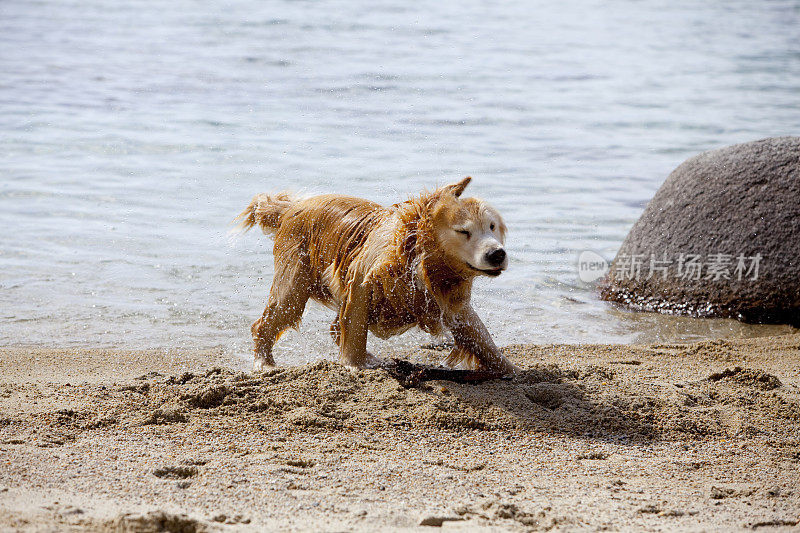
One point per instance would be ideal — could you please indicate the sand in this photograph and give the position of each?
(654, 438)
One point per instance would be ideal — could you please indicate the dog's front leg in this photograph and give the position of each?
(353, 316)
(474, 347)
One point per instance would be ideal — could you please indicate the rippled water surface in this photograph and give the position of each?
(132, 132)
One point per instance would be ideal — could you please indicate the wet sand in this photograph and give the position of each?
(676, 437)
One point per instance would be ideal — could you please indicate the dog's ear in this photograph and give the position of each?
(457, 188)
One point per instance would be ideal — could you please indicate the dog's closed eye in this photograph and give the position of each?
(464, 232)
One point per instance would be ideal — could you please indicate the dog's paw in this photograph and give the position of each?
(501, 367)
(374, 362)
(507, 368)
(366, 361)
(260, 364)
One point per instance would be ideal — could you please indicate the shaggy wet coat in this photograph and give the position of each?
(383, 269)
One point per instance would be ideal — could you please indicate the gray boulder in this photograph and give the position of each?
(721, 238)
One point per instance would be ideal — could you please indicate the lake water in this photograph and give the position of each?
(132, 132)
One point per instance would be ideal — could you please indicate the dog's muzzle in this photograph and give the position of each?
(496, 257)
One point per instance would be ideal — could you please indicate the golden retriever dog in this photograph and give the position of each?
(382, 269)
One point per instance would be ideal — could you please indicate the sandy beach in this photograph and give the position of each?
(676, 437)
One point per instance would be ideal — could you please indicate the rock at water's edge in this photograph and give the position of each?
(721, 238)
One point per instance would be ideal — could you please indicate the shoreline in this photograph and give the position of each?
(667, 436)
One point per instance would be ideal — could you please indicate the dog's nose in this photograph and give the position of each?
(496, 257)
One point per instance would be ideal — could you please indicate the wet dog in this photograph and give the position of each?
(382, 269)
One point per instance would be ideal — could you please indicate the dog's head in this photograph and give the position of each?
(469, 231)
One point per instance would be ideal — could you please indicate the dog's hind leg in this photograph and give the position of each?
(287, 299)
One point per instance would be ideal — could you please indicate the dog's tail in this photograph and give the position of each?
(265, 210)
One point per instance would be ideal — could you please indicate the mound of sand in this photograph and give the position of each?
(592, 400)
(689, 425)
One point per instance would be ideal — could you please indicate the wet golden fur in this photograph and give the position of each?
(383, 269)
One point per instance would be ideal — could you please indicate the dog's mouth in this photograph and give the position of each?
(493, 272)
